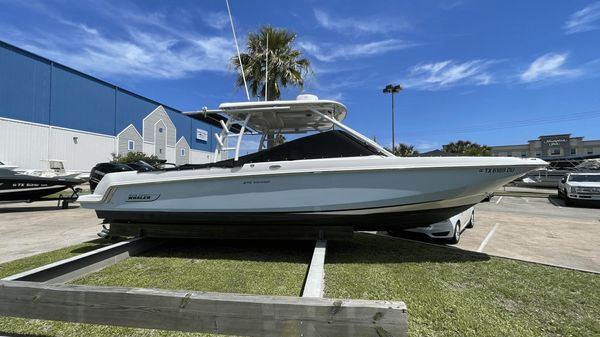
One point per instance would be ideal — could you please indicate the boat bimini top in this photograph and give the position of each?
(305, 114)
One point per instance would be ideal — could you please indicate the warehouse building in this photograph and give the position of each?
(551, 147)
(51, 112)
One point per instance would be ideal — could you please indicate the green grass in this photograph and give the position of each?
(448, 292)
(17, 266)
(455, 293)
(251, 267)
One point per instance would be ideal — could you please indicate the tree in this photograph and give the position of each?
(467, 148)
(405, 150)
(286, 65)
(132, 157)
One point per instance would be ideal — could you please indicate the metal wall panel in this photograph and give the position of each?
(24, 86)
(132, 109)
(36, 90)
(23, 144)
(196, 144)
(80, 151)
(82, 103)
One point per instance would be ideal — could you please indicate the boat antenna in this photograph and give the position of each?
(238, 50)
(267, 70)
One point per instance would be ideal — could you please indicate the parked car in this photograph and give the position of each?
(448, 230)
(580, 188)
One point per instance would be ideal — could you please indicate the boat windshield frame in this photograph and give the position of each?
(270, 118)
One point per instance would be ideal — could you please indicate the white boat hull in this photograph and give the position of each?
(366, 193)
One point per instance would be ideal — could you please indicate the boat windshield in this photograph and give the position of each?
(594, 178)
(330, 144)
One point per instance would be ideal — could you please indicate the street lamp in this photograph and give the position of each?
(393, 89)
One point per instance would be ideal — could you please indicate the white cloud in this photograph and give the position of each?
(548, 66)
(584, 20)
(216, 20)
(142, 54)
(137, 48)
(446, 74)
(362, 24)
(330, 52)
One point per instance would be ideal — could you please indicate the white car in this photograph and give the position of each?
(448, 230)
(580, 187)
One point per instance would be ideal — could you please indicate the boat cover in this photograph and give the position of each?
(330, 144)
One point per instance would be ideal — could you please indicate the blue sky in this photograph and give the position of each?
(493, 72)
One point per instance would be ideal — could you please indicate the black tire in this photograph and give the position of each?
(568, 201)
(456, 236)
(472, 220)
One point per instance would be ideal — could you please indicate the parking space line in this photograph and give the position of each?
(487, 239)
(498, 201)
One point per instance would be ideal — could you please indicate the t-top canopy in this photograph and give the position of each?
(294, 116)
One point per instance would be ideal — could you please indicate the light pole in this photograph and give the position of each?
(392, 89)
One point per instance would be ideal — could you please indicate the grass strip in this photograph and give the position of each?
(248, 267)
(251, 267)
(450, 292)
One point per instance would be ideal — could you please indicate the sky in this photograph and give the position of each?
(492, 72)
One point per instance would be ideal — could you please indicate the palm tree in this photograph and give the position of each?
(467, 148)
(286, 64)
(405, 150)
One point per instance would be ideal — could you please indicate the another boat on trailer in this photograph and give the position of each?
(333, 177)
(15, 186)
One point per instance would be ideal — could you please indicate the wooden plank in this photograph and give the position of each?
(230, 314)
(80, 265)
(252, 232)
(315, 279)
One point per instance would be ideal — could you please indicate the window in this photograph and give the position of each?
(183, 152)
(590, 150)
(130, 145)
(160, 130)
(538, 154)
(523, 153)
(573, 151)
(160, 151)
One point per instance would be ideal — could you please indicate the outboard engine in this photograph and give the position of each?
(102, 169)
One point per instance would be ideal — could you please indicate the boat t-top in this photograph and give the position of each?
(334, 176)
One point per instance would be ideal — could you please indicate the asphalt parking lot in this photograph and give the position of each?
(534, 229)
(540, 230)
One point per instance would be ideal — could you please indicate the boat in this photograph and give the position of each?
(334, 176)
(7, 167)
(15, 186)
(56, 168)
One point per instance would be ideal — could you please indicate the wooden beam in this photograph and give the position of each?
(315, 279)
(229, 314)
(266, 232)
(80, 265)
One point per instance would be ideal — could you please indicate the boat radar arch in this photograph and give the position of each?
(307, 113)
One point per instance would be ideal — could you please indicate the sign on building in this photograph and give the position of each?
(202, 135)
